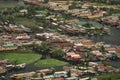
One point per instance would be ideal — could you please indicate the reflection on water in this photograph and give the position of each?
(113, 38)
(5, 3)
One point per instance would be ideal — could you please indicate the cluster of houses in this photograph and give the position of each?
(68, 73)
(86, 50)
(33, 2)
(6, 66)
(77, 48)
(112, 20)
(86, 13)
(13, 41)
(74, 26)
(13, 28)
(3, 63)
(57, 6)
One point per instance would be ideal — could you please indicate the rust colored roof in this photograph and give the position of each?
(59, 79)
(71, 53)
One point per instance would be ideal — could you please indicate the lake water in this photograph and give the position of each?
(113, 38)
(4, 4)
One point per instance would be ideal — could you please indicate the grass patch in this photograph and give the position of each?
(109, 76)
(20, 56)
(25, 21)
(99, 4)
(50, 63)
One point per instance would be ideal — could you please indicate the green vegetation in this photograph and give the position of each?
(111, 2)
(25, 21)
(89, 24)
(109, 76)
(27, 56)
(44, 49)
(50, 63)
(46, 1)
(111, 10)
(57, 53)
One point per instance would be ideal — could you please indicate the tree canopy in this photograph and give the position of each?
(57, 53)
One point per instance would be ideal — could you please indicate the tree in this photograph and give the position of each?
(45, 49)
(53, 70)
(96, 68)
(46, 1)
(42, 75)
(35, 75)
(57, 53)
(67, 2)
(73, 5)
(102, 49)
(88, 25)
(69, 73)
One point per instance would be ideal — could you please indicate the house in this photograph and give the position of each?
(48, 77)
(80, 48)
(87, 43)
(92, 64)
(8, 47)
(76, 71)
(22, 37)
(2, 70)
(60, 74)
(23, 11)
(33, 2)
(59, 79)
(97, 53)
(45, 71)
(44, 35)
(60, 42)
(103, 68)
(19, 76)
(57, 6)
(86, 78)
(3, 62)
(72, 56)
(71, 78)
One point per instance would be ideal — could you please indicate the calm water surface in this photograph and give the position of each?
(113, 38)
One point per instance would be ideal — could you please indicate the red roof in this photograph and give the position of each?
(59, 79)
(76, 56)
(71, 53)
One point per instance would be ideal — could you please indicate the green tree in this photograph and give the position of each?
(102, 49)
(96, 68)
(53, 70)
(42, 75)
(67, 2)
(57, 53)
(69, 73)
(88, 25)
(73, 6)
(35, 75)
(45, 49)
(46, 1)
